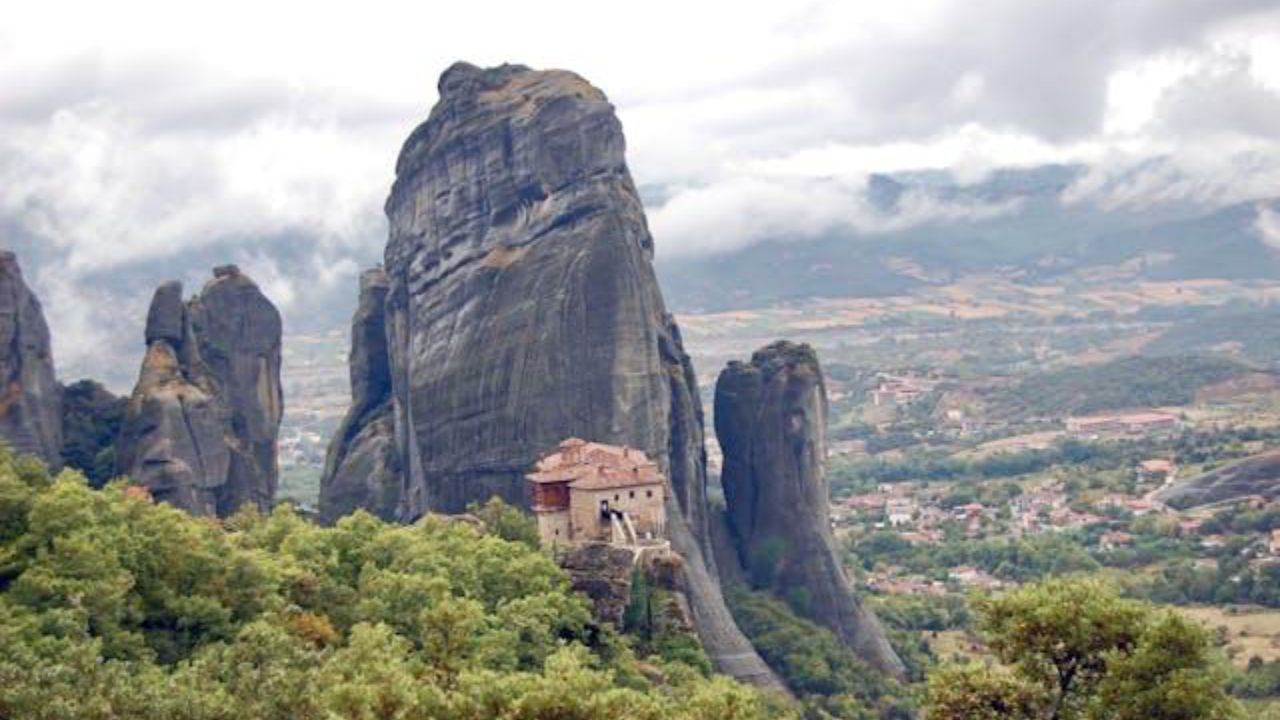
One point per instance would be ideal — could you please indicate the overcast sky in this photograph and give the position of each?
(139, 132)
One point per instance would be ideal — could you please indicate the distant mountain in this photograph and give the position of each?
(1038, 235)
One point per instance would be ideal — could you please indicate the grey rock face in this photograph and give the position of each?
(201, 426)
(1254, 475)
(239, 334)
(522, 308)
(605, 573)
(362, 467)
(30, 407)
(166, 319)
(523, 304)
(770, 420)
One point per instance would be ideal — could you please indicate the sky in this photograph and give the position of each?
(139, 138)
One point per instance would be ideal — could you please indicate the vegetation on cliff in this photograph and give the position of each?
(112, 606)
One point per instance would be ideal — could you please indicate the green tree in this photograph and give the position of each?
(112, 606)
(1073, 648)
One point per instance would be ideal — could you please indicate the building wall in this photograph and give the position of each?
(644, 504)
(553, 528)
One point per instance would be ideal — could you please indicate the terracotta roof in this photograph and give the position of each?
(594, 466)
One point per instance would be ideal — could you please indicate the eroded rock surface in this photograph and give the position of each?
(362, 467)
(607, 575)
(770, 420)
(30, 406)
(201, 426)
(523, 309)
(523, 303)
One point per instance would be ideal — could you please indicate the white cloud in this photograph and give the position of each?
(153, 131)
(743, 210)
(1267, 225)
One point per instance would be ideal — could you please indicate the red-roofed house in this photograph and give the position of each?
(586, 491)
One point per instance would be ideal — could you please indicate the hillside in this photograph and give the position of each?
(112, 606)
(1022, 223)
(1120, 384)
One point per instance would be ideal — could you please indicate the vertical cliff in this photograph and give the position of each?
(523, 303)
(30, 408)
(201, 426)
(770, 417)
(522, 308)
(362, 466)
(239, 334)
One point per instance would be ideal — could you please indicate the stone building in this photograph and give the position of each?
(592, 492)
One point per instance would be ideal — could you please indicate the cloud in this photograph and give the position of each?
(741, 211)
(1222, 97)
(147, 140)
(1267, 225)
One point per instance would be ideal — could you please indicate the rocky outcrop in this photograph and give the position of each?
(30, 408)
(523, 306)
(1255, 475)
(607, 574)
(362, 467)
(523, 309)
(603, 573)
(201, 427)
(770, 419)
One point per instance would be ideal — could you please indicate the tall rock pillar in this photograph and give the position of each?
(522, 309)
(31, 404)
(201, 427)
(770, 417)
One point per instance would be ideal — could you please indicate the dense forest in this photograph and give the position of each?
(112, 606)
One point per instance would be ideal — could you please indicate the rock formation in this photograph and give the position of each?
(607, 574)
(770, 419)
(362, 467)
(1255, 475)
(30, 409)
(201, 426)
(523, 309)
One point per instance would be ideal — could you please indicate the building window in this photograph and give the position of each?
(617, 496)
(648, 493)
(633, 494)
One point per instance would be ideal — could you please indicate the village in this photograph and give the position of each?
(1107, 521)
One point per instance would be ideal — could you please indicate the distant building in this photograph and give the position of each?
(1114, 539)
(1157, 470)
(900, 389)
(970, 576)
(1274, 545)
(1134, 423)
(899, 511)
(586, 491)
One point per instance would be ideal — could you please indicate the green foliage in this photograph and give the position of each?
(1021, 559)
(114, 607)
(507, 522)
(91, 421)
(976, 692)
(765, 560)
(921, 612)
(1076, 649)
(814, 663)
(1125, 383)
(1260, 679)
